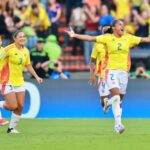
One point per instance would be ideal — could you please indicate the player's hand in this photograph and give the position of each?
(70, 32)
(38, 65)
(134, 12)
(92, 81)
(39, 80)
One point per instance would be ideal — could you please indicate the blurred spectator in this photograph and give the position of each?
(54, 12)
(70, 5)
(96, 3)
(36, 16)
(40, 59)
(22, 6)
(52, 48)
(92, 2)
(129, 26)
(31, 37)
(136, 4)
(3, 30)
(141, 21)
(54, 54)
(11, 20)
(106, 17)
(91, 28)
(78, 24)
(122, 8)
(140, 72)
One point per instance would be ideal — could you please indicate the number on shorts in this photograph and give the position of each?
(112, 77)
(10, 87)
(103, 85)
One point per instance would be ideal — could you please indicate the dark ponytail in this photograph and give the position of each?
(16, 33)
(116, 21)
(109, 30)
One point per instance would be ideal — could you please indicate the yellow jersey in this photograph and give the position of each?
(100, 54)
(118, 50)
(16, 61)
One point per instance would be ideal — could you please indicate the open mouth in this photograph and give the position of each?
(122, 30)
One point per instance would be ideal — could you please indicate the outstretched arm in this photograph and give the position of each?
(72, 34)
(32, 72)
(145, 40)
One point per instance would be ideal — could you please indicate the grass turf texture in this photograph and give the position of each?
(77, 134)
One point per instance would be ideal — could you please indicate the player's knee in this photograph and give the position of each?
(20, 107)
(117, 98)
(13, 107)
(115, 91)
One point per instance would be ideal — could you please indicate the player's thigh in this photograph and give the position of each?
(20, 95)
(9, 95)
(113, 82)
(123, 82)
(11, 99)
(103, 88)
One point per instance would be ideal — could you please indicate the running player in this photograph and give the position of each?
(99, 54)
(118, 45)
(16, 57)
(2, 120)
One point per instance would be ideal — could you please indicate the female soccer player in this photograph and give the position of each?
(16, 58)
(118, 45)
(2, 120)
(99, 54)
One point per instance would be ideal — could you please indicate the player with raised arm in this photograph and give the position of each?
(118, 45)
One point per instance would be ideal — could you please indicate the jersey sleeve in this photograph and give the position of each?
(28, 61)
(134, 40)
(102, 39)
(94, 52)
(2, 54)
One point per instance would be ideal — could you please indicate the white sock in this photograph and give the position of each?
(14, 120)
(110, 101)
(120, 111)
(0, 114)
(116, 109)
(2, 104)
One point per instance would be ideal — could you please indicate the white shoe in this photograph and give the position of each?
(119, 128)
(106, 106)
(12, 131)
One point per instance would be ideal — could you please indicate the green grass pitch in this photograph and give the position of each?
(77, 134)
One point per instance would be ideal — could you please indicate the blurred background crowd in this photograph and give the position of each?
(53, 53)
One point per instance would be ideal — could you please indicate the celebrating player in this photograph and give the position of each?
(99, 54)
(15, 58)
(118, 45)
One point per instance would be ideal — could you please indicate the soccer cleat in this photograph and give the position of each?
(106, 106)
(119, 128)
(12, 131)
(3, 122)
